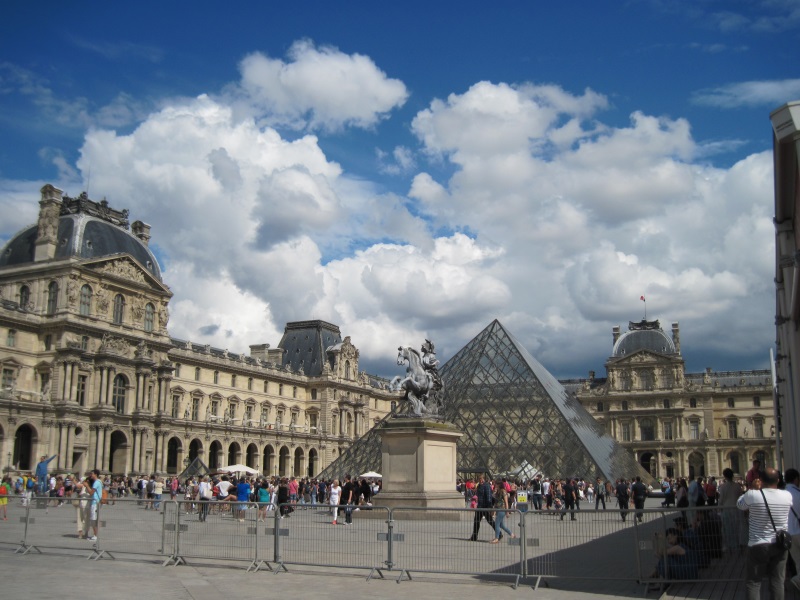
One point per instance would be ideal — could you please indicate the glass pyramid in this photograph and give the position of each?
(517, 419)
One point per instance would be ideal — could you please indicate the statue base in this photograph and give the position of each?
(419, 467)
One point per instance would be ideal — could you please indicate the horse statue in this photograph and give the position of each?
(422, 384)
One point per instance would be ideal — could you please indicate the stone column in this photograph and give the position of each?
(65, 385)
(101, 396)
(134, 449)
(73, 386)
(63, 430)
(70, 445)
(106, 447)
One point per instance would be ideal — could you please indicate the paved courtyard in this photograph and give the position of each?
(596, 556)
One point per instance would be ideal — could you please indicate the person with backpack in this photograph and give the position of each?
(536, 492)
(263, 500)
(150, 488)
(485, 504)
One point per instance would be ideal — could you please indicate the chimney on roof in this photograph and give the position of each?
(49, 212)
(142, 231)
(615, 333)
(676, 337)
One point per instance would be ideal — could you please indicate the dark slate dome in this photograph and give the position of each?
(81, 236)
(644, 338)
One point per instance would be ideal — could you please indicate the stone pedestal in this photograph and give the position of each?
(419, 464)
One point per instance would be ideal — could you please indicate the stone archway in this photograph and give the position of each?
(697, 465)
(284, 462)
(313, 462)
(268, 463)
(195, 449)
(214, 455)
(234, 453)
(24, 438)
(118, 453)
(648, 462)
(299, 457)
(251, 456)
(174, 448)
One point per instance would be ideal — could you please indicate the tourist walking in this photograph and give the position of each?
(501, 505)
(484, 507)
(334, 493)
(768, 513)
(600, 494)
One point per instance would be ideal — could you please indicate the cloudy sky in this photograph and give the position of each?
(415, 169)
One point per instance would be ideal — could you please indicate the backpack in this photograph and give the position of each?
(151, 485)
(3, 490)
(29, 484)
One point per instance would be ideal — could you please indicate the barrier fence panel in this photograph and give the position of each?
(307, 535)
(588, 544)
(12, 531)
(130, 527)
(53, 523)
(695, 544)
(440, 541)
(215, 530)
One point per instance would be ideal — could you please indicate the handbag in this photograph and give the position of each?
(782, 538)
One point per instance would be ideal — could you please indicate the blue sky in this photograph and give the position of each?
(416, 170)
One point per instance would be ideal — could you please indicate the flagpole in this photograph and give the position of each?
(642, 298)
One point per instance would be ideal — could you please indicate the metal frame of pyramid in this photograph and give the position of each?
(512, 411)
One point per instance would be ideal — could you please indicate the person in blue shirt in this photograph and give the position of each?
(94, 486)
(41, 474)
(242, 498)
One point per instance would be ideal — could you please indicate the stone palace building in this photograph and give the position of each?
(89, 371)
(678, 423)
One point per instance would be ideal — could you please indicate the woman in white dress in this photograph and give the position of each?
(335, 494)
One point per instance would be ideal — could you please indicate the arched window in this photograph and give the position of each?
(216, 376)
(347, 369)
(119, 309)
(647, 429)
(24, 297)
(197, 373)
(118, 393)
(86, 300)
(52, 298)
(149, 317)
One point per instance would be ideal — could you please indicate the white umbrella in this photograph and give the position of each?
(238, 469)
(371, 475)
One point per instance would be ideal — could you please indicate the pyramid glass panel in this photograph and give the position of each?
(515, 417)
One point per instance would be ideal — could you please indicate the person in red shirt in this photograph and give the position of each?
(711, 491)
(754, 474)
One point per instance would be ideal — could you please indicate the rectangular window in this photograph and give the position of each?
(756, 401)
(177, 369)
(232, 410)
(731, 403)
(314, 397)
(280, 389)
(626, 432)
(176, 405)
(733, 430)
(214, 407)
(85, 343)
(233, 380)
(668, 430)
(48, 342)
(294, 391)
(250, 383)
(80, 392)
(197, 373)
(266, 387)
(694, 430)
(312, 421)
(666, 402)
(8, 379)
(216, 377)
(195, 409)
(248, 413)
(758, 428)
(11, 338)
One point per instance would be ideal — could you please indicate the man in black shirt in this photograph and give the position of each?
(570, 496)
(639, 491)
(485, 501)
(347, 499)
(623, 498)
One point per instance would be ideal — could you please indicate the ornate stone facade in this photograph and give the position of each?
(677, 423)
(89, 371)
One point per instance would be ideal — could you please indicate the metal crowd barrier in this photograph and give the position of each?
(596, 545)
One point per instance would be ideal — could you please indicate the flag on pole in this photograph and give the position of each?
(642, 299)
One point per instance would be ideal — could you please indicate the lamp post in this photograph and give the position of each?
(9, 462)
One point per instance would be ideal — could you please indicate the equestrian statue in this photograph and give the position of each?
(422, 384)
